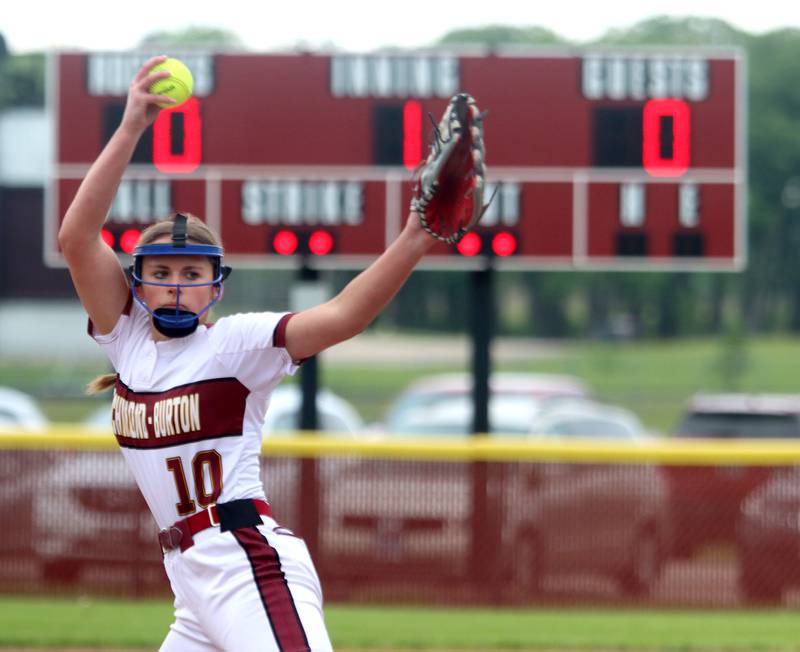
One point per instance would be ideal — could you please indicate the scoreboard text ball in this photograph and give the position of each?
(602, 159)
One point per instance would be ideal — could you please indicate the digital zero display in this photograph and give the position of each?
(617, 159)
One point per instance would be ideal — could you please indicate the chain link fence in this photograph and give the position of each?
(470, 522)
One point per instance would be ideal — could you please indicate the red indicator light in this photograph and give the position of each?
(128, 240)
(412, 134)
(652, 159)
(108, 237)
(469, 245)
(320, 243)
(191, 152)
(504, 244)
(284, 243)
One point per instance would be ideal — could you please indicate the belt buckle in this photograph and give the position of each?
(170, 537)
(211, 520)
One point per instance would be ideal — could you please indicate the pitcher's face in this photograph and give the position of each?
(185, 271)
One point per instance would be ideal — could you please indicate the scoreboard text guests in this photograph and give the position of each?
(613, 159)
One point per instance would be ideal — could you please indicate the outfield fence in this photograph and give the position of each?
(477, 521)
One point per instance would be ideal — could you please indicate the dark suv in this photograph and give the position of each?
(706, 500)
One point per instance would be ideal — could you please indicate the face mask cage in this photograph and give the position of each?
(178, 322)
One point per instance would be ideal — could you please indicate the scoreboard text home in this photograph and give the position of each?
(600, 159)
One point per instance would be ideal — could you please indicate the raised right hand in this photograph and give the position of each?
(142, 107)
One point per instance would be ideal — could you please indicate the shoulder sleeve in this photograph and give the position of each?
(253, 347)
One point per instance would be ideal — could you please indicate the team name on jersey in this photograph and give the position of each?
(178, 415)
(170, 416)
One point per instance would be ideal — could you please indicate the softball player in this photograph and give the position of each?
(190, 398)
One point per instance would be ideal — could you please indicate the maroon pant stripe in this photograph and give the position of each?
(274, 591)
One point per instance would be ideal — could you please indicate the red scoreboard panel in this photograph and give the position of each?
(598, 159)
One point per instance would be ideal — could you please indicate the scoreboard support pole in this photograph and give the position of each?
(309, 422)
(482, 325)
(484, 543)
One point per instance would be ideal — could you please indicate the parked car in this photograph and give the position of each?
(336, 416)
(706, 500)
(21, 471)
(611, 519)
(442, 404)
(20, 411)
(768, 538)
(89, 513)
(416, 518)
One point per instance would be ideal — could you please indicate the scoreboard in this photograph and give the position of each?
(597, 159)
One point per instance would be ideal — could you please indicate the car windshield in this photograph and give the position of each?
(451, 414)
(589, 428)
(288, 421)
(7, 416)
(735, 426)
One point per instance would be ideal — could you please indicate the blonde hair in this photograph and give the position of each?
(198, 232)
(101, 383)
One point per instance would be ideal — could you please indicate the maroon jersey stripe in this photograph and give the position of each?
(275, 595)
(207, 409)
(123, 442)
(279, 335)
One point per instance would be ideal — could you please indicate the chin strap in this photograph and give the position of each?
(177, 322)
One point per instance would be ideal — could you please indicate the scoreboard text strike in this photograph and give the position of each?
(600, 159)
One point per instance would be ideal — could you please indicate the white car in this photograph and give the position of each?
(336, 416)
(18, 410)
(442, 405)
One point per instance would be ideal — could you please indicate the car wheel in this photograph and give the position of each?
(757, 583)
(528, 567)
(644, 564)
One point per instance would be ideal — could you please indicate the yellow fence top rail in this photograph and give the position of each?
(747, 452)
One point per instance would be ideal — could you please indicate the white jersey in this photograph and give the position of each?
(188, 412)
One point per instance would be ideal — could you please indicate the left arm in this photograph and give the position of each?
(352, 310)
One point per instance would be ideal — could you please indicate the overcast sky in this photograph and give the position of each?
(347, 24)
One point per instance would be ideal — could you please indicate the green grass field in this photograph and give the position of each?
(125, 624)
(652, 378)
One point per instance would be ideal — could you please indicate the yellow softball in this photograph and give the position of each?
(178, 85)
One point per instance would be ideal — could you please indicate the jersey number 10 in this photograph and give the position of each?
(207, 475)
